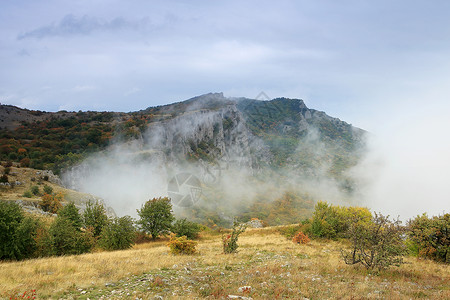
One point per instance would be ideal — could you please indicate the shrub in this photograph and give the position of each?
(52, 203)
(182, 245)
(430, 237)
(377, 244)
(4, 178)
(71, 213)
(118, 234)
(333, 221)
(230, 240)
(27, 194)
(300, 238)
(17, 232)
(65, 239)
(94, 216)
(289, 231)
(156, 216)
(25, 162)
(48, 189)
(7, 170)
(186, 228)
(35, 190)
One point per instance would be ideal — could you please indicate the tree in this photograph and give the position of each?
(17, 232)
(377, 244)
(94, 216)
(71, 212)
(156, 216)
(118, 234)
(186, 228)
(430, 237)
(51, 203)
(65, 239)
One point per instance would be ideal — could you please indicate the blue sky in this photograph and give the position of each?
(381, 65)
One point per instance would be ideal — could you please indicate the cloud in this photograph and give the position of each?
(71, 25)
(132, 91)
(83, 88)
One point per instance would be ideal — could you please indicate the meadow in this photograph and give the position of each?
(266, 266)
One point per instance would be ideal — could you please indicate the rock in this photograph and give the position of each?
(245, 289)
(255, 223)
(239, 297)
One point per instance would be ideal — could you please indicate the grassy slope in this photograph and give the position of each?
(24, 175)
(272, 265)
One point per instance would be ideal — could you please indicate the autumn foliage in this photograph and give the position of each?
(181, 245)
(301, 238)
(52, 203)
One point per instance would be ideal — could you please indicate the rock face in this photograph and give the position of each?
(229, 144)
(215, 130)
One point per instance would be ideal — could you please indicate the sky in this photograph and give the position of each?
(383, 66)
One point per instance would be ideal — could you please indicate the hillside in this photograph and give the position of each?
(270, 264)
(250, 158)
(22, 180)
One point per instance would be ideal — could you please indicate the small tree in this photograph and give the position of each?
(17, 232)
(51, 203)
(430, 237)
(186, 228)
(118, 234)
(71, 212)
(94, 216)
(65, 239)
(156, 216)
(230, 240)
(377, 244)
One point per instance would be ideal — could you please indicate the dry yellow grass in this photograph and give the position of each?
(274, 267)
(25, 175)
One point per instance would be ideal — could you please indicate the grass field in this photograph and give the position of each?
(271, 265)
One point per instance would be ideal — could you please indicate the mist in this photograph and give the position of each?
(128, 174)
(407, 170)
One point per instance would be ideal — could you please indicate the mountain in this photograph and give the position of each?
(209, 154)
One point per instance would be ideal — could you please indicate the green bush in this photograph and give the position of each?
(35, 190)
(332, 222)
(182, 245)
(156, 216)
(289, 231)
(186, 228)
(430, 237)
(118, 234)
(65, 239)
(17, 232)
(94, 216)
(377, 244)
(48, 189)
(71, 213)
(27, 194)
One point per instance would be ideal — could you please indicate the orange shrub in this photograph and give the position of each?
(301, 238)
(181, 245)
(51, 203)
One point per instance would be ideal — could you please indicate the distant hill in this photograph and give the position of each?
(277, 146)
